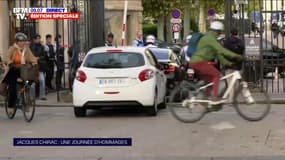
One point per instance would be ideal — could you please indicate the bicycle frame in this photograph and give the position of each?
(235, 76)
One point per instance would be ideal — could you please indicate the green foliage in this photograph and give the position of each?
(255, 5)
(218, 5)
(156, 8)
(150, 29)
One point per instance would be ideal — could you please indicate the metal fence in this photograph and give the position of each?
(77, 35)
(265, 51)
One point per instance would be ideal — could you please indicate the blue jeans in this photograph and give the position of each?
(42, 85)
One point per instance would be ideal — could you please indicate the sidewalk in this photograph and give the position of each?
(65, 99)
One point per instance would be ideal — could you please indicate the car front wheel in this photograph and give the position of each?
(79, 111)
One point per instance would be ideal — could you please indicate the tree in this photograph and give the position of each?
(160, 10)
(204, 6)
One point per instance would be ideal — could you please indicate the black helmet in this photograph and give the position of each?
(21, 37)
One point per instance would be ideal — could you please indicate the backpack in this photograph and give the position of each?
(193, 43)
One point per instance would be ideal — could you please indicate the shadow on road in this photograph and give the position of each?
(117, 112)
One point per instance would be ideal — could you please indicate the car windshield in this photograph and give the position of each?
(114, 60)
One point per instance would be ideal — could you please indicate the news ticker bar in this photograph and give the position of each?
(58, 16)
(45, 14)
(72, 142)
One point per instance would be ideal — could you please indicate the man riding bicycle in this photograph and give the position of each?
(19, 53)
(208, 49)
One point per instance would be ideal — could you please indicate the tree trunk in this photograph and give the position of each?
(160, 28)
(202, 17)
(169, 33)
(186, 22)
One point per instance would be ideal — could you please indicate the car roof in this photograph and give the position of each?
(159, 49)
(123, 48)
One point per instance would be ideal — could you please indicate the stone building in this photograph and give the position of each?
(112, 23)
(114, 18)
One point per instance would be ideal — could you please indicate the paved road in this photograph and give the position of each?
(222, 134)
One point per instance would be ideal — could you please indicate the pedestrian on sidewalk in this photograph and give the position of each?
(50, 54)
(138, 42)
(39, 52)
(109, 40)
(59, 61)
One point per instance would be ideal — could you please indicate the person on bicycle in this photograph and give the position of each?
(19, 53)
(208, 49)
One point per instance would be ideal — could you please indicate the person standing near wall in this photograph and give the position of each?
(39, 52)
(50, 54)
(59, 61)
(109, 40)
(138, 42)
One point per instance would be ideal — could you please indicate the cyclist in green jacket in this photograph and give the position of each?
(209, 49)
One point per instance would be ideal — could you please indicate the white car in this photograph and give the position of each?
(123, 76)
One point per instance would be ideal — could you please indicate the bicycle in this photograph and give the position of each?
(192, 96)
(25, 101)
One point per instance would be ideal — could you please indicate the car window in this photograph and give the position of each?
(160, 54)
(150, 57)
(114, 60)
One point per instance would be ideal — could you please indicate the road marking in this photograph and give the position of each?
(223, 126)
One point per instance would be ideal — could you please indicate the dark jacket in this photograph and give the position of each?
(59, 57)
(235, 45)
(50, 54)
(209, 48)
(39, 51)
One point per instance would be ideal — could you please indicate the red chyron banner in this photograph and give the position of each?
(54, 16)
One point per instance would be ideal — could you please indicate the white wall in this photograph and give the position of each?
(46, 27)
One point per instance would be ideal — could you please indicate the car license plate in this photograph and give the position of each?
(107, 82)
(190, 71)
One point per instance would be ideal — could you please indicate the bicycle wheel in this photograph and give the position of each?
(189, 112)
(251, 103)
(10, 112)
(28, 105)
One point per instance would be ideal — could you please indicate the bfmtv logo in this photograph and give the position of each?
(21, 13)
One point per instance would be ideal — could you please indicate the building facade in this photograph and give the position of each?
(114, 19)
(72, 30)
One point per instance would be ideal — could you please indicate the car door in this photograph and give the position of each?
(160, 77)
(157, 73)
